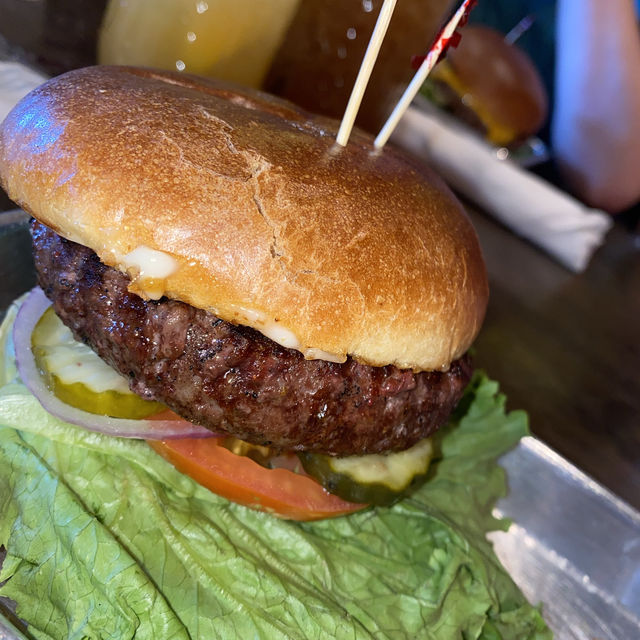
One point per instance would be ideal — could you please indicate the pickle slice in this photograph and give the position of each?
(379, 479)
(78, 377)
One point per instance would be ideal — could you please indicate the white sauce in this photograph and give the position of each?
(281, 335)
(319, 354)
(150, 264)
(250, 317)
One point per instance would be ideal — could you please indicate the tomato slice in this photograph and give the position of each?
(284, 493)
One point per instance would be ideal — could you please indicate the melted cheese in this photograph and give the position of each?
(150, 264)
(148, 269)
(319, 354)
(281, 335)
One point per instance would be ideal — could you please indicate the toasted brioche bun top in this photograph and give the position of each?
(239, 203)
(502, 81)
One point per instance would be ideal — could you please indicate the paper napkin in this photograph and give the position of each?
(533, 208)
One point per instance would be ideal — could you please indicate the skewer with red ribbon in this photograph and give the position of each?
(446, 37)
(441, 42)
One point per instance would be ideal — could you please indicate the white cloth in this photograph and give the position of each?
(530, 206)
(16, 80)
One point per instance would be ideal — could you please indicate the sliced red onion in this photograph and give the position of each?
(28, 315)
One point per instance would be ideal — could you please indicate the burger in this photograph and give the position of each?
(288, 322)
(492, 85)
(219, 251)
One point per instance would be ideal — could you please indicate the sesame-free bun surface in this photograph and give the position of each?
(331, 250)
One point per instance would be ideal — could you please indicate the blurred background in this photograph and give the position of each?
(307, 50)
(501, 81)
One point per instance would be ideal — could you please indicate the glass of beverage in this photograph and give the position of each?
(320, 57)
(233, 40)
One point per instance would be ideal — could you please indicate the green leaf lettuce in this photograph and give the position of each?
(105, 539)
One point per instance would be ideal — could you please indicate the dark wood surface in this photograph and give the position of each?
(566, 348)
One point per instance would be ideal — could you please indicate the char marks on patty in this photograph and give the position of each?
(233, 379)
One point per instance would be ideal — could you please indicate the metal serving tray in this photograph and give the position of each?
(574, 546)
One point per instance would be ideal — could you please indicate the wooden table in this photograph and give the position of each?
(566, 348)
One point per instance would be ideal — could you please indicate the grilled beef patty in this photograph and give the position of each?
(233, 379)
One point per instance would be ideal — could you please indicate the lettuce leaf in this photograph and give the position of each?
(105, 539)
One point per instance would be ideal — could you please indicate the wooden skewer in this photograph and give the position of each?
(421, 75)
(364, 74)
(522, 27)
